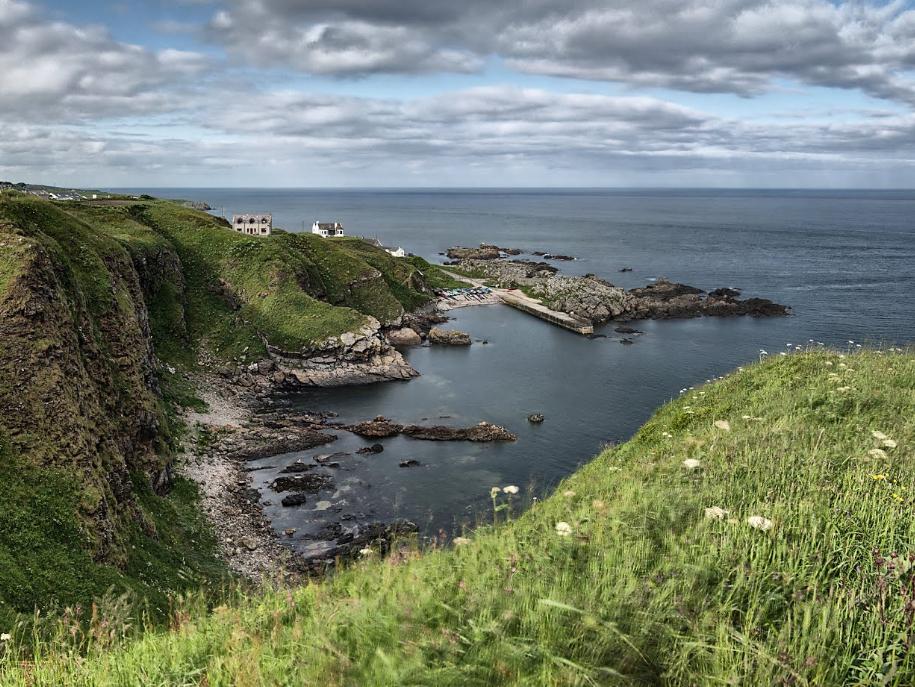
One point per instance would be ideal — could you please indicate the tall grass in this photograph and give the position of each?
(640, 569)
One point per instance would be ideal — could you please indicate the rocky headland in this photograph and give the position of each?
(597, 300)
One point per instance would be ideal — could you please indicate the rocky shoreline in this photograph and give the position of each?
(243, 425)
(597, 300)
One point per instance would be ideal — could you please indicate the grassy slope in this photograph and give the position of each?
(646, 590)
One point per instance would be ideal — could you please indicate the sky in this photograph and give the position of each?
(466, 93)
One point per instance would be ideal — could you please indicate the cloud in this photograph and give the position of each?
(729, 46)
(55, 70)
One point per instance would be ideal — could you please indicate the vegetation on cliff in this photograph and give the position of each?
(99, 304)
(756, 531)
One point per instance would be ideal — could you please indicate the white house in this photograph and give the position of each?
(326, 229)
(253, 225)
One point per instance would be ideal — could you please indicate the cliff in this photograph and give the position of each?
(103, 309)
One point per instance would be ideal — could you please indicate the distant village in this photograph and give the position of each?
(261, 224)
(52, 192)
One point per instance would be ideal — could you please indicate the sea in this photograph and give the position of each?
(843, 260)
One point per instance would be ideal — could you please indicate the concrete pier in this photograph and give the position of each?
(532, 307)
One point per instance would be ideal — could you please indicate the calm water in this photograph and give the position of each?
(844, 261)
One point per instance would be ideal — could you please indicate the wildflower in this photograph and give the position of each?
(897, 497)
(5, 637)
(598, 504)
(667, 434)
(691, 463)
(828, 363)
(367, 551)
(747, 417)
(758, 522)
(563, 529)
(723, 425)
(843, 389)
(510, 489)
(889, 443)
(715, 513)
(879, 477)
(879, 436)
(461, 541)
(494, 492)
(877, 453)
(568, 493)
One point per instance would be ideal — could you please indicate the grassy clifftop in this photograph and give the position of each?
(95, 299)
(757, 531)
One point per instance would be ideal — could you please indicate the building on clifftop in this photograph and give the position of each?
(326, 229)
(253, 225)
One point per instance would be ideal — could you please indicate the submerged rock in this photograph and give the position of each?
(374, 448)
(535, 418)
(409, 463)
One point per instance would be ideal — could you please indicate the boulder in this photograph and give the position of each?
(449, 337)
(290, 500)
(404, 337)
(535, 418)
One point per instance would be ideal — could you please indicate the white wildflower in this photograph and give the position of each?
(879, 436)
(494, 492)
(723, 425)
(510, 489)
(878, 453)
(568, 493)
(367, 551)
(889, 443)
(5, 637)
(759, 522)
(715, 513)
(691, 463)
(667, 435)
(461, 541)
(563, 529)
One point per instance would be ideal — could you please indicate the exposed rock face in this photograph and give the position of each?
(481, 432)
(597, 300)
(359, 357)
(535, 418)
(449, 337)
(588, 297)
(484, 252)
(381, 427)
(665, 299)
(301, 483)
(404, 337)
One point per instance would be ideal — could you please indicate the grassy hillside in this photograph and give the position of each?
(94, 298)
(757, 531)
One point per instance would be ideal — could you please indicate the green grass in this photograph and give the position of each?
(43, 566)
(646, 589)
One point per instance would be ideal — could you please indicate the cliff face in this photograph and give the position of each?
(96, 301)
(77, 373)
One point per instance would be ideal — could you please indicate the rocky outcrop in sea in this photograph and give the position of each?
(599, 301)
